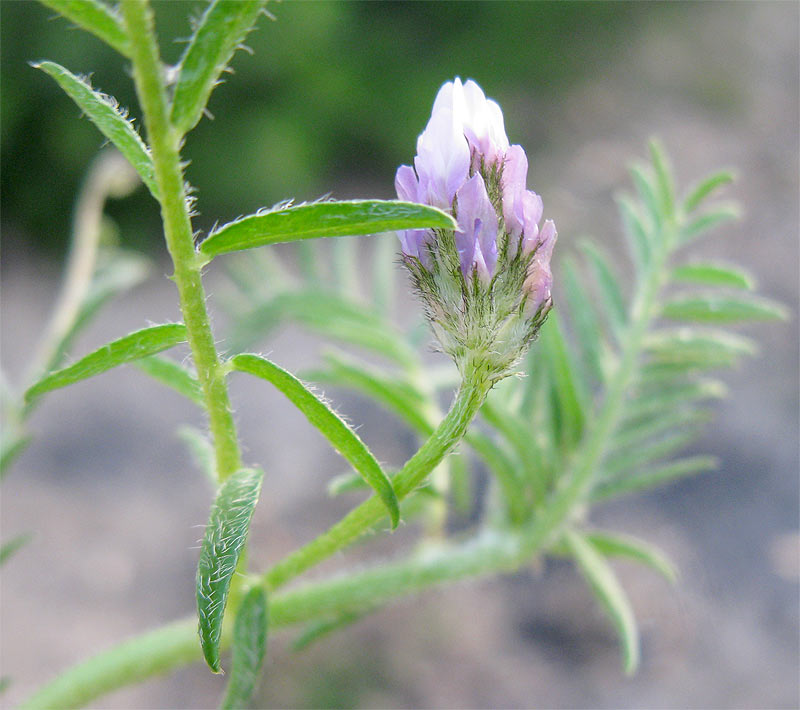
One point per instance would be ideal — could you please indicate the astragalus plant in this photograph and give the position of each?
(581, 401)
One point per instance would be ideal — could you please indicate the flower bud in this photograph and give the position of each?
(486, 285)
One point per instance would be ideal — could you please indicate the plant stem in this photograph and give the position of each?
(175, 645)
(470, 397)
(164, 144)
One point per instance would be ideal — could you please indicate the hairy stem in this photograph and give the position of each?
(173, 646)
(470, 397)
(164, 144)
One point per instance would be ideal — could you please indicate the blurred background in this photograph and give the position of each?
(331, 101)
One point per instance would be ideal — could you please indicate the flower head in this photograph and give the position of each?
(487, 284)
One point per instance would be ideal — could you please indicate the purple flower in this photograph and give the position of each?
(464, 149)
(486, 285)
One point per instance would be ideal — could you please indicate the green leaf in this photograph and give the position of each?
(397, 396)
(174, 375)
(644, 182)
(95, 17)
(584, 319)
(565, 379)
(105, 113)
(664, 180)
(10, 449)
(5, 682)
(638, 432)
(13, 546)
(704, 188)
(609, 592)
(202, 452)
(709, 220)
(688, 345)
(224, 539)
(673, 394)
(220, 31)
(656, 476)
(635, 231)
(723, 309)
(329, 424)
(613, 545)
(710, 274)
(135, 346)
(323, 219)
(123, 271)
(328, 314)
(317, 630)
(645, 454)
(610, 292)
(249, 650)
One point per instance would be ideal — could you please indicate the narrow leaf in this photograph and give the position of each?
(10, 449)
(716, 347)
(635, 231)
(13, 546)
(673, 394)
(656, 476)
(613, 545)
(664, 180)
(317, 630)
(107, 116)
(221, 30)
(609, 592)
(636, 434)
(644, 182)
(585, 321)
(123, 271)
(644, 455)
(323, 219)
(95, 17)
(397, 396)
(708, 221)
(174, 375)
(704, 188)
(202, 452)
(224, 539)
(722, 309)
(610, 292)
(570, 399)
(135, 346)
(249, 650)
(329, 424)
(710, 274)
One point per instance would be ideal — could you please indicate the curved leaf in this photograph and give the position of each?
(704, 188)
(249, 649)
(135, 346)
(613, 545)
(609, 592)
(224, 539)
(174, 375)
(221, 29)
(329, 424)
(323, 219)
(711, 274)
(95, 17)
(716, 309)
(109, 119)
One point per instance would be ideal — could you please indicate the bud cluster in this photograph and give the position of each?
(486, 285)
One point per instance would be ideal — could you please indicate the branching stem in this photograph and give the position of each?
(164, 144)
